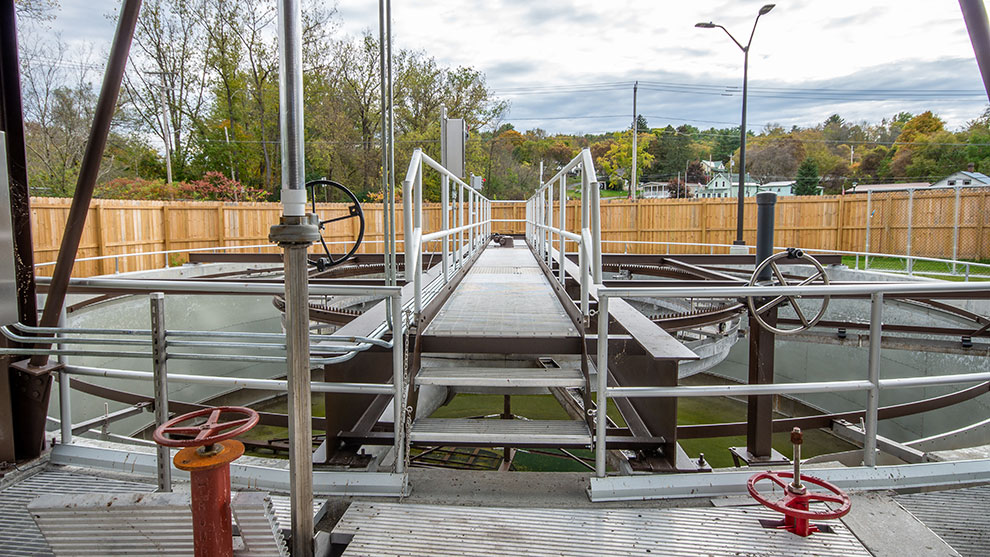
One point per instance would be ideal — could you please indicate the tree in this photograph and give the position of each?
(807, 178)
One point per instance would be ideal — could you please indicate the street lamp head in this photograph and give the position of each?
(704, 25)
(766, 9)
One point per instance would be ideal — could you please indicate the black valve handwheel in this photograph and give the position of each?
(353, 211)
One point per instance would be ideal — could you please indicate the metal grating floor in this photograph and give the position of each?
(397, 529)
(961, 517)
(505, 294)
(19, 535)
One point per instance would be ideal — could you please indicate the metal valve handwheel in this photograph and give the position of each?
(353, 211)
(210, 432)
(796, 501)
(759, 307)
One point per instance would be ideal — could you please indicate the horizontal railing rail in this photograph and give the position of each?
(872, 385)
(469, 210)
(542, 227)
(161, 345)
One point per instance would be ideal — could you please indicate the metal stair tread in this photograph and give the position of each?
(500, 377)
(463, 430)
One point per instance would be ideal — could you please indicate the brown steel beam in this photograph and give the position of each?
(705, 431)
(759, 408)
(701, 259)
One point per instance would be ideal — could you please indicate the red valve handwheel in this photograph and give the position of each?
(209, 432)
(795, 505)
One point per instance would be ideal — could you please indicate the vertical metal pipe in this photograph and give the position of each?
(975, 15)
(398, 381)
(766, 201)
(471, 220)
(460, 222)
(160, 369)
(910, 229)
(64, 390)
(869, 217)
(295, 241)
(445, 223)
(873, 395)
(562, 221)
(549, 224)
(90, 167)
(596, 234)
(299, 398)
(955, 233)
(601, 400)
(290, 93)
(635, 136)
(407, 229)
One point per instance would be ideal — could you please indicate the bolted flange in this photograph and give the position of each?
(296, 230)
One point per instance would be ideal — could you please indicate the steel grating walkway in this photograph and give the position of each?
(961, 517)
(427, 530)
(505, 294)
(19, 535)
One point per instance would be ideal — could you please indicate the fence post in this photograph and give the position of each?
(869, 217)
(955, 233)
(839, 222)
(101, 239)
(873, 397)
(910, 230)
(166, 235)
(160, 364)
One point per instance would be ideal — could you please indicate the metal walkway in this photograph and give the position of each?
(505, 294)
(396, 529)
(958, 516)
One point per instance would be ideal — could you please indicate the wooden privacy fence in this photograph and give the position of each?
(944, 223)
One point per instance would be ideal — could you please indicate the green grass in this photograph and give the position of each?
(705, 410)
(922, 268)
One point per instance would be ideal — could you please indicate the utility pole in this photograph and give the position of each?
(635, 128)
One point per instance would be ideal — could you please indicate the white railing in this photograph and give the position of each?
(541, 233)
(911, 265)
(460, 240)
(160, 345)
(872, 384)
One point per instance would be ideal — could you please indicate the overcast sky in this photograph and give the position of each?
(863, 59)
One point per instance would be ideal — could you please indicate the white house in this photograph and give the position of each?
(964, 178)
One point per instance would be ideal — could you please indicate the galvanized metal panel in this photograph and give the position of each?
(504, 295)
(958, 516)
(8, 278)
(19, 535)
(397, 529)
(550, 432)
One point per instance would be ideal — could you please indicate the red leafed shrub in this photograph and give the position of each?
(213, 186)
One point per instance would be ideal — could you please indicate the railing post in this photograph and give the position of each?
(584, 276)
(407, 230)
(873, 396)
(601, 400)
(549, 224)
(160, 367)
(445, 222)
(398, 382)
(596, 234)
(563, 221)
(471, 220)
(460, 222)
(64, 389)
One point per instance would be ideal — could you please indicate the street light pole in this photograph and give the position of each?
(740, 205)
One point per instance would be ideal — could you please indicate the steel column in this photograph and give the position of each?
(398, 381)
(873, 396)
(158, 348)
(975, 15)
(563, 222)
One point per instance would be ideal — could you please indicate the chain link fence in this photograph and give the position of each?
(938, 233)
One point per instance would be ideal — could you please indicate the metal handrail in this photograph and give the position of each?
(471, 215)
(540, 229)
(866, 255)
(872, 385)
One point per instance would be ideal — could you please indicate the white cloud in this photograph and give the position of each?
(861, 44)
